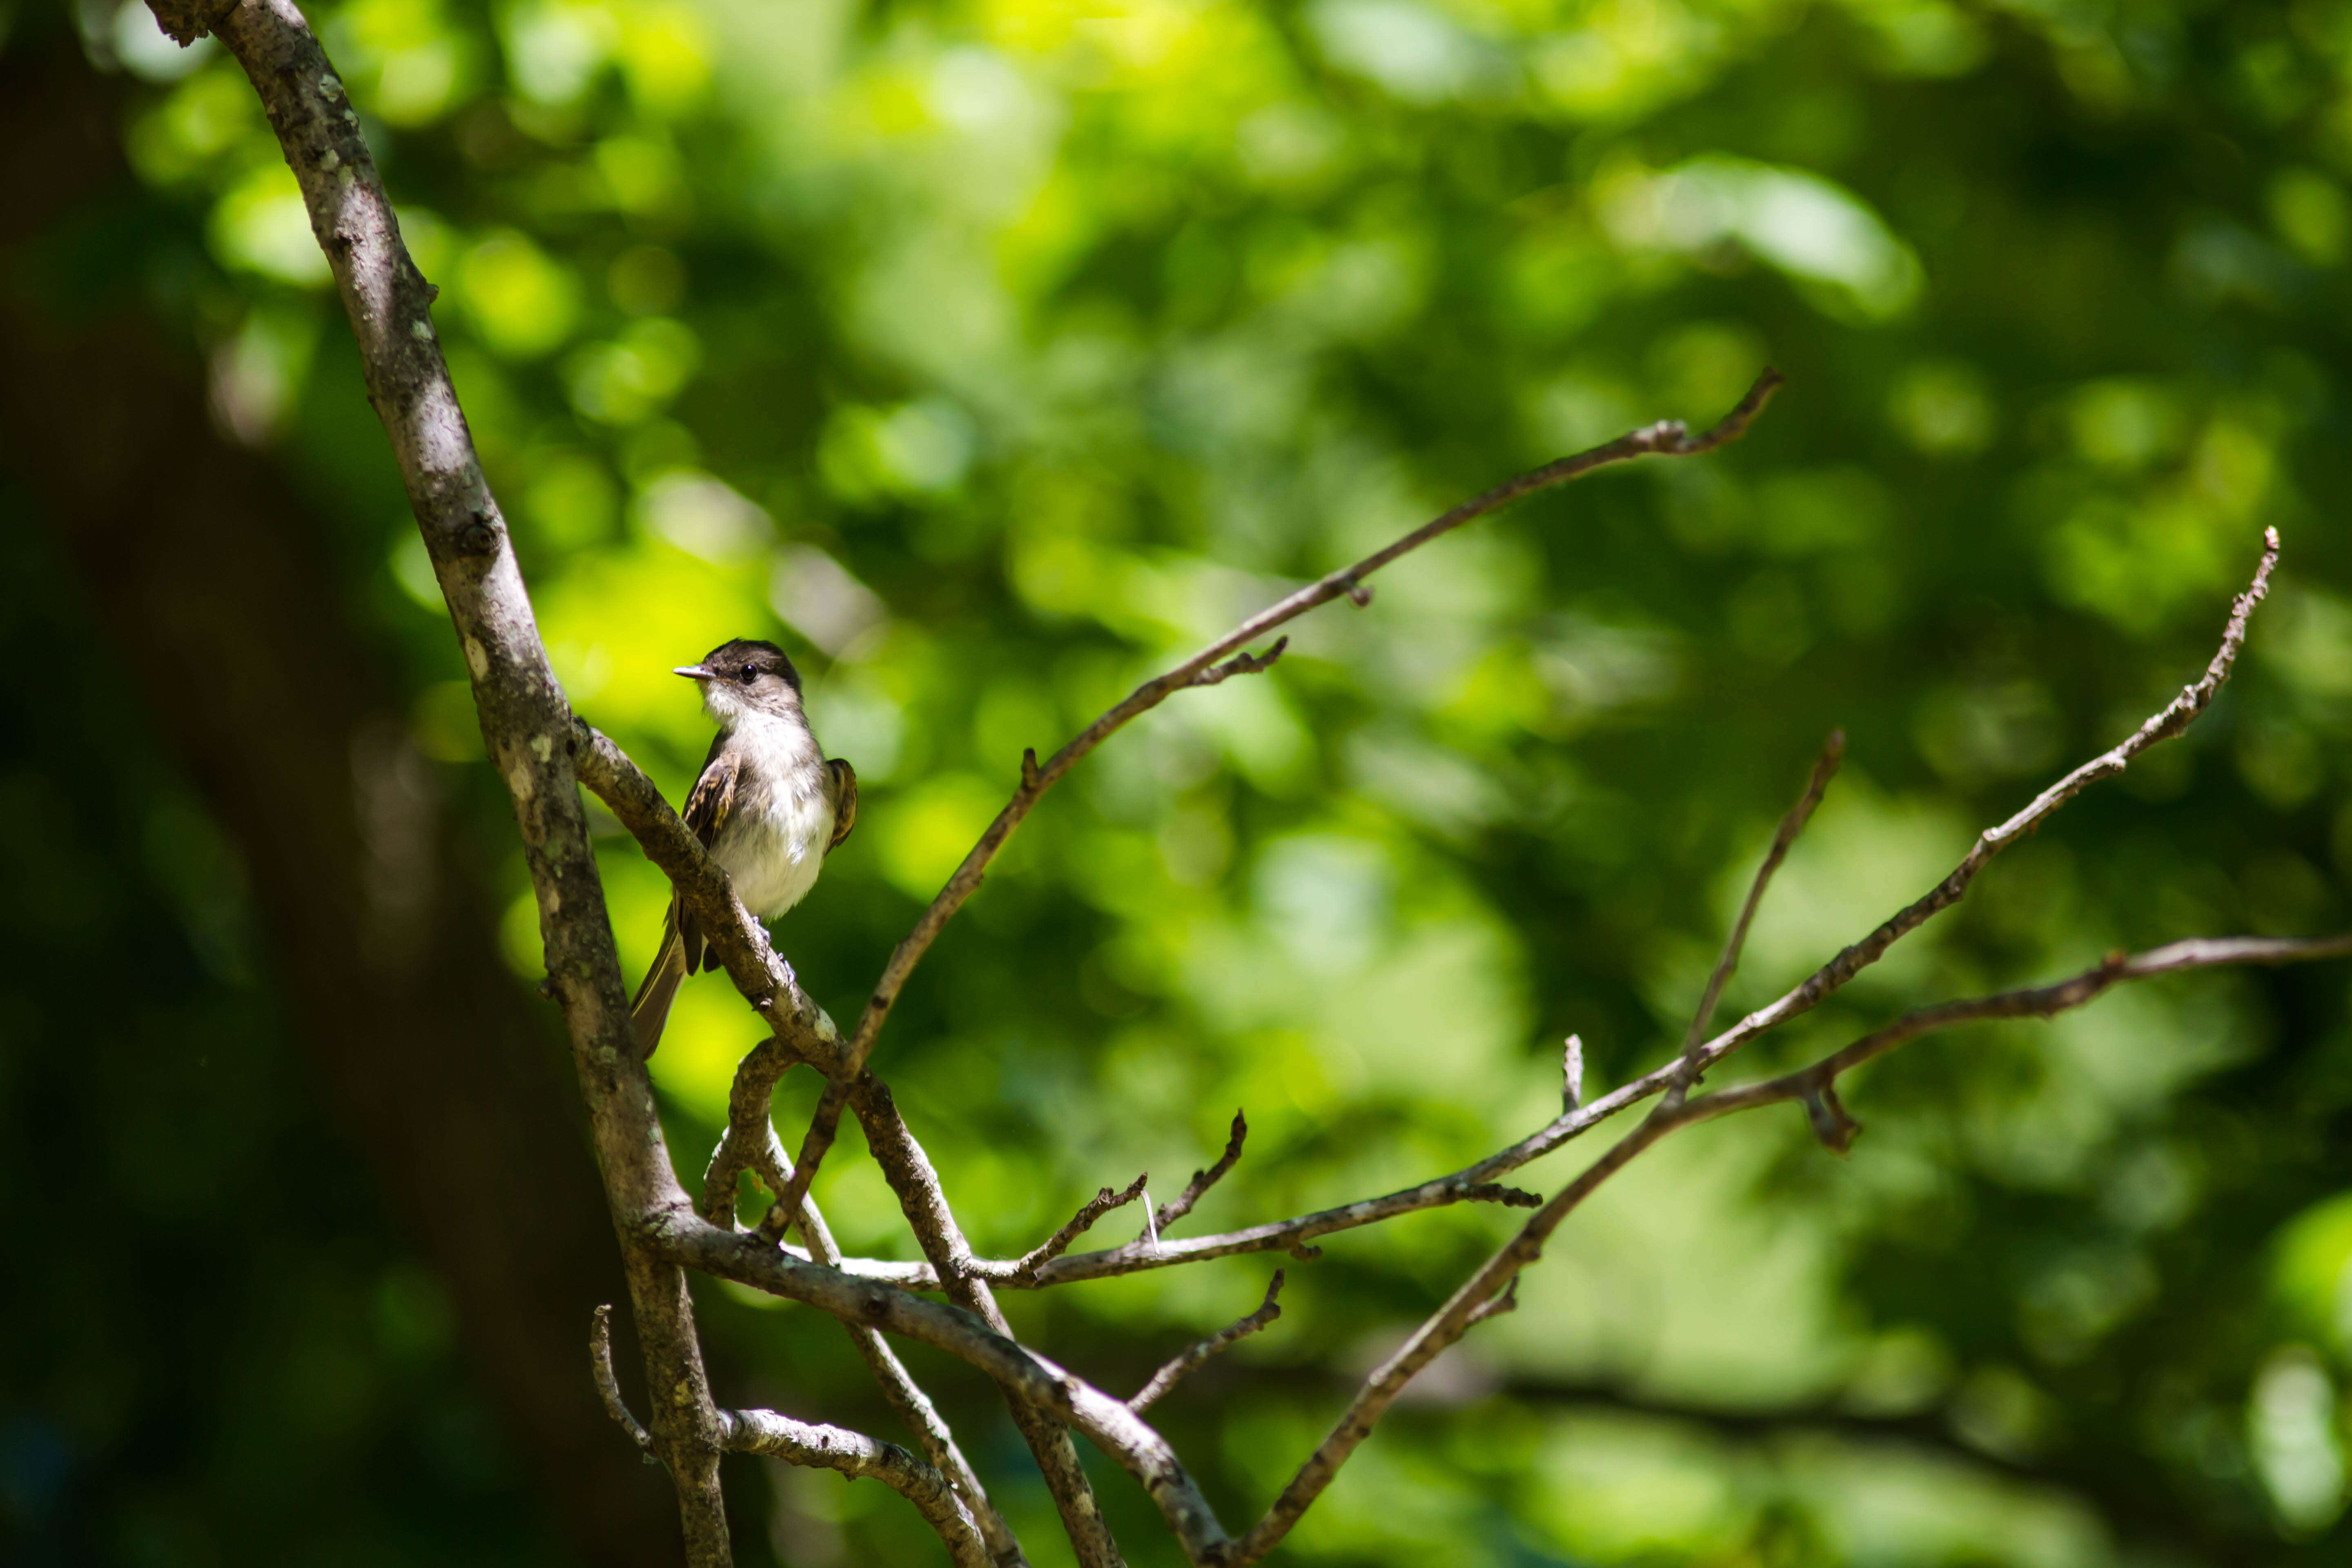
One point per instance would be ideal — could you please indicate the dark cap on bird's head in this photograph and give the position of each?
(745, 672)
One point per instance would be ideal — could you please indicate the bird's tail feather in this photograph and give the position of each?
(650, 1010)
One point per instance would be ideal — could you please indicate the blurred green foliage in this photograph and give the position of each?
(217, 1350)
(991, 353)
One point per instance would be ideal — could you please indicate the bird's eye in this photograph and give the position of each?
(751, 673)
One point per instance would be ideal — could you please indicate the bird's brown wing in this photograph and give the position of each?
(708, 805)
(841, 783)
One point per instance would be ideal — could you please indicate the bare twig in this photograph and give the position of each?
(1461, 1186)
(1239, 663)
(1184, 1365)
(1292, 1236)
(1571, 1074)
(1024, 1271)
(856, 1455)
(1180, 1205)
(600, 1367)
(748, 1143)
(2168, 722)
(1791, 825)
(1468, 1304)
(823, 1128)
(1668, 439)
(1818, 1082)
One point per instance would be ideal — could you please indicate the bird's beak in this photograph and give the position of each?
(692, 672)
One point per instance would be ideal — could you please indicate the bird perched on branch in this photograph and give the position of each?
(770, 806)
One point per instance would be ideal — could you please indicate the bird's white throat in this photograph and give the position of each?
(774, 838)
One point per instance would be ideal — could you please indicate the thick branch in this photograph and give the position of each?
(922, 1199)
(1190, 1360)
(856, 1455)
(750, 1143)
(1034, 1382)
(526, 723)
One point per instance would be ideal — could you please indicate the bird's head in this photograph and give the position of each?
(745, 677)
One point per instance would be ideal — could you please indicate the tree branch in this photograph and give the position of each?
(1475, 1181)
(1023, 1269)
(526, 723)
(856, 1455)
(1184, 1365)
(1034, 1382)
(1818, 1082)
(2167, 722)
(924, 1202)
(750, 1143)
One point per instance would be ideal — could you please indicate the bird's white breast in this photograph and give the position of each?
(773, 850)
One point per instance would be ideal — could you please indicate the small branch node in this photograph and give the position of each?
(1832, 1125)
(1241, 664)
(1494, 1306)
(1306, 1252)
(1030, 777)
(1358, 594)
(1572, 1075)
(1496, 1193)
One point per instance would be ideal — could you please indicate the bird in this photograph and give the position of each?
(769, 806)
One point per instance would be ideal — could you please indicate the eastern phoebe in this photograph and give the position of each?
(769, 807)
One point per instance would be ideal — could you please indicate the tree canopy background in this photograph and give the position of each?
(989, 354)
